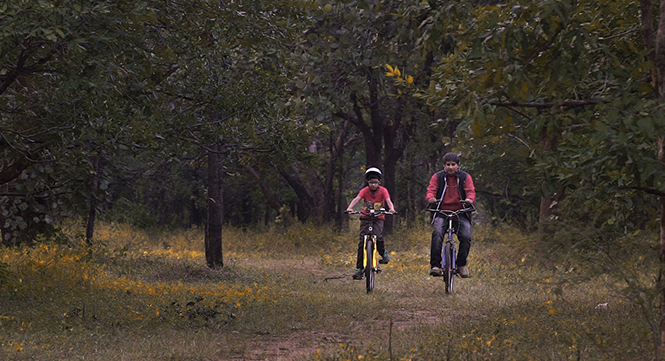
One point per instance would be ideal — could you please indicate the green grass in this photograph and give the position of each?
(287, 294)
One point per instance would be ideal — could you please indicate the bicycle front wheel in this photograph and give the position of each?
(369, 267)
(448, 273)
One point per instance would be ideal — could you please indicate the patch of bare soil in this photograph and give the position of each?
(299, 345)
(407, 318)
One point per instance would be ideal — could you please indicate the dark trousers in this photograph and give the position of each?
(440, 227)
(377, 229)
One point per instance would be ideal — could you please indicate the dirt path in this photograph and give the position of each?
(303, 344)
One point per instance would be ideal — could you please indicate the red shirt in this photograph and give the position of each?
(378, 196)
(451, 198)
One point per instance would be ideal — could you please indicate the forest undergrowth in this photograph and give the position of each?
(287, 294)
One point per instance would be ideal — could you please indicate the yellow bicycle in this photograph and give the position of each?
(370, 253)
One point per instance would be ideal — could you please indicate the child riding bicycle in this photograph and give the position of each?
(373, 194)
(449, 189)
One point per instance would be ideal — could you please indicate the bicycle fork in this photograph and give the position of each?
(445, 257)
(375, 253)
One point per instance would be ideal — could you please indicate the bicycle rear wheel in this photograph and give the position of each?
(448, 274)
(369, 267)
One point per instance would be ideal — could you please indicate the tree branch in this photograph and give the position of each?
(564, 104)
(648, 190)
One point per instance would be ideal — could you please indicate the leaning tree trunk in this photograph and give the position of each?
(215, 208)
(309, 205)
(267, 194)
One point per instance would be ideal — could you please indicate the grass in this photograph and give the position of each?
(287, 294)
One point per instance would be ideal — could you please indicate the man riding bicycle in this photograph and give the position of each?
(448, 190)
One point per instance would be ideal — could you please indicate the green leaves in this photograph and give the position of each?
(568, 80)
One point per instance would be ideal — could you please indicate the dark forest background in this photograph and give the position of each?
(160, 113)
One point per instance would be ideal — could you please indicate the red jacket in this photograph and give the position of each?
(451, 194)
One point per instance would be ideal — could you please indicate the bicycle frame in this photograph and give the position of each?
(451, 229)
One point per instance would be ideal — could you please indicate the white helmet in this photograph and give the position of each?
(373, 173)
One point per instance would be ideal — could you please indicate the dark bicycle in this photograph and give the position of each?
(448, 251)
(370, 253)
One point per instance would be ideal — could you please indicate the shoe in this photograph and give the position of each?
(358, 274)
(436, 272)
(463, 271)
(385, 259)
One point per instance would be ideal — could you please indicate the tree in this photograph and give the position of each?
(220, 82)
(66, 75)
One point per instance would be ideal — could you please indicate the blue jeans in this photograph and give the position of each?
(440, 227)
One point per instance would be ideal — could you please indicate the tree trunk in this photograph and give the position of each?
(544, 215)
(92, 211)
(656, 49)
(215, 206)
(4, 233)
(661, 248)
(549, 143)
(343, 222)
(333, 200)
(390, 167)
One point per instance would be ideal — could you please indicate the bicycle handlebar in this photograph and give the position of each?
(371, 213)
(449, 213)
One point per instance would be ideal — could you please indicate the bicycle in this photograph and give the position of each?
(370, 252)
(448, 251)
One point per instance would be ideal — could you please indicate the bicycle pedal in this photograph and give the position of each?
(378, 270)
